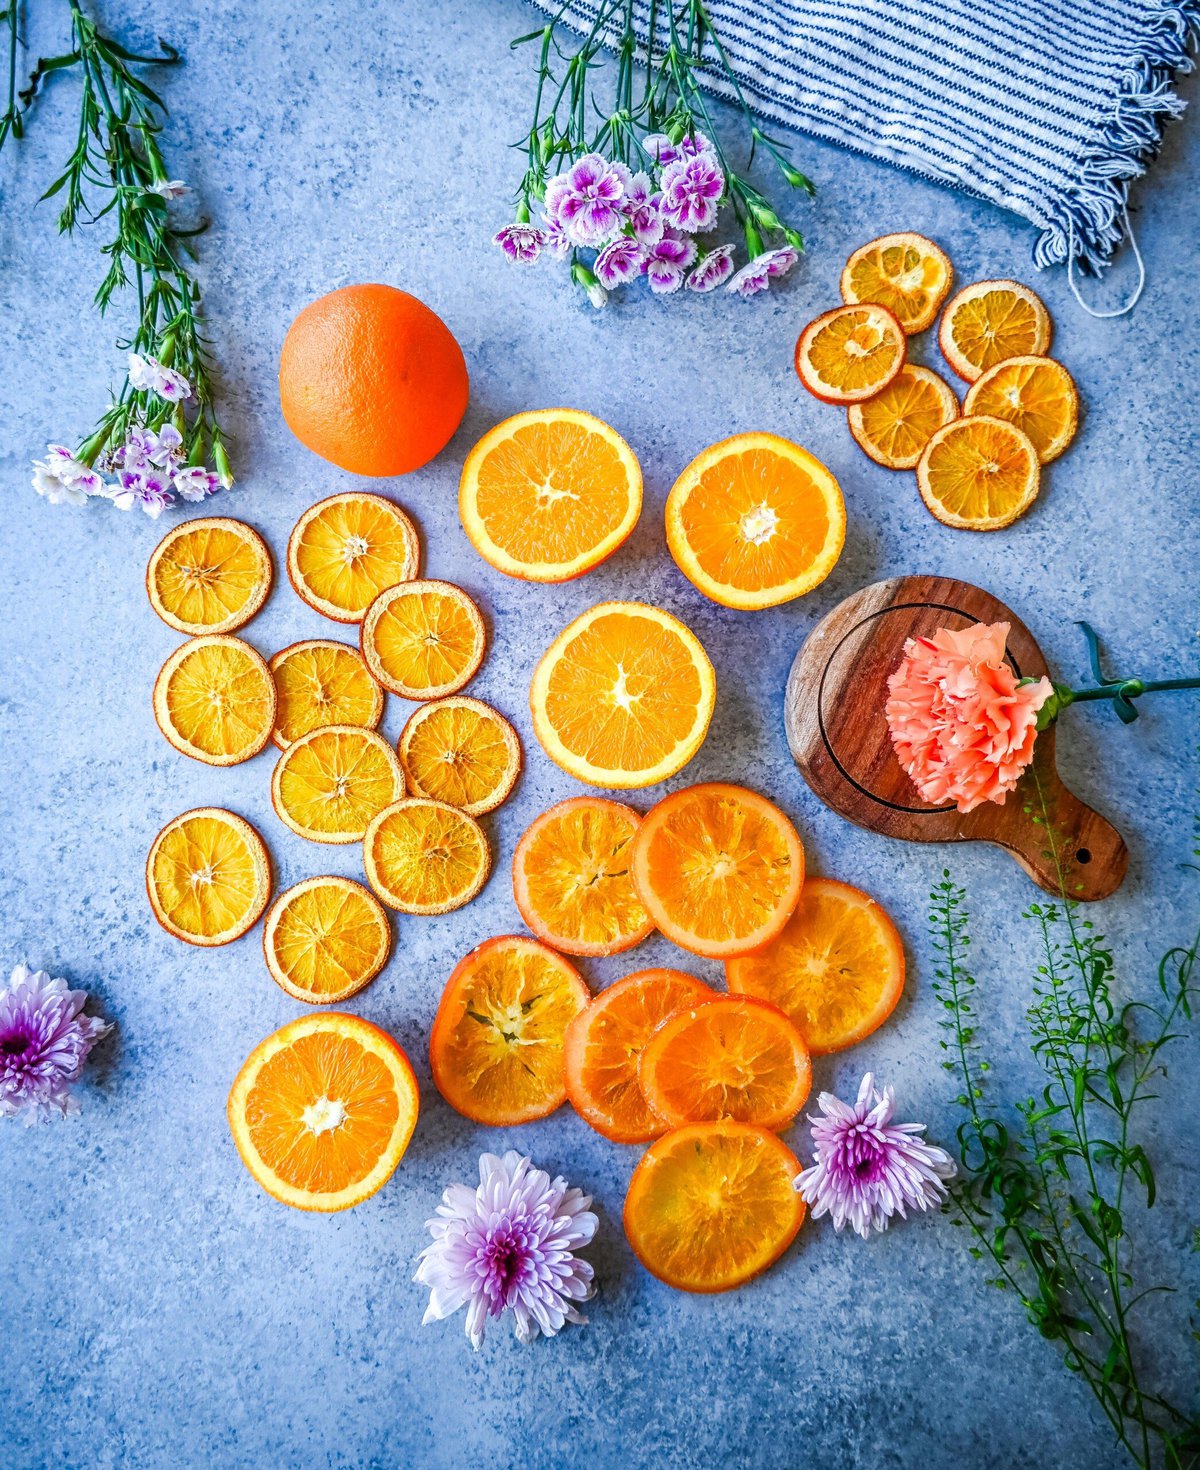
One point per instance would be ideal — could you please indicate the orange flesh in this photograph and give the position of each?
(461, 754)
(426, 857)
(206, 876)
(1037, 395)
(351, 550)
(323, 684)
(328, 939)
(901, 419)
(997, 324)
(428, 641)
(334, 781)
(981, 469)
(902, 277)
(206, 576)
(853, 350)
(218, 700)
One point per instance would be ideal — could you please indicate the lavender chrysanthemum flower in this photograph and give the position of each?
(586, 200)
(643, 210)
(867, 1167)
(64, 480)
(619, 262)
(509, 1243)
(756, 276)
(521, 242)
(691, 192)
(666, 263)
(146, 373)
(714, 269)
(44, 1041)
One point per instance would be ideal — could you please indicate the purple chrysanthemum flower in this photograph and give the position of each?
(867, 1167)
(642, 210)
(619, 262)
(522, 243)
(587, 199)
(714, 269)
(510, 1243)
(757, 276)
(666, 263)
(44, 1042)
(691, 192)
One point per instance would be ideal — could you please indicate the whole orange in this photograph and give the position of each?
(372, 380)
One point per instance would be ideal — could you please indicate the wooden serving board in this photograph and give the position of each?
(839, 737)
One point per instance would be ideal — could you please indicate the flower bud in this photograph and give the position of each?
(221, 465)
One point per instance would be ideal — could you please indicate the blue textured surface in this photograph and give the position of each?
(161, 1311)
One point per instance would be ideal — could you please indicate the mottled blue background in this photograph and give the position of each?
(158, 1309)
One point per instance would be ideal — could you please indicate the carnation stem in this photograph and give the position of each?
(1122, 692)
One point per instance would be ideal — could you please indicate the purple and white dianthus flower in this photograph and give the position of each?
(44, 1041)
(691, 193)
(666, 263)
(642, 210)
(148, 488)
(660, 148)
(167, 188)
(194, 483)
(144, 449)
(521, 242)
(619, 262)
(62, 479)
(146, 373)
(714, 269)
(587, 199)
(758, 274)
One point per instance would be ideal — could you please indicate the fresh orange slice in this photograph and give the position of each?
(719, 869)
(894, 427)
(989, 322)
(1035, 393)
(496, 1048)
(322, 1111)
(623, 696)
(344, 551)
(327, 785)
(208, 876)
(605, 1041)
(979, 474)
(712, 1205)
(755, 521)
(425, 857)
(209, 576)
(214, 699)
(837, 969)
(850, 353)
(423, 640)
(325, 939)
(461, 751)
(907, 273)
(320, 682)
(571, 877)
(548, 495)
(731, 1056)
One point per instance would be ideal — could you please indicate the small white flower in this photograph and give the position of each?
(167, 188)
(597, 295)
(147, 374)
(61, 479)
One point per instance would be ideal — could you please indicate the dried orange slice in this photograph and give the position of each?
(214, 699)
(321, 682)
(327, 785)
(623, 696)
(755, 521)
(907, 273)
(894, 427)
(712, 1205)
(548, 495)
(208, 876)
(604, 1042)
(719, 869)
(496, 1048)
(979, 474)
(1035, 393)
(571, 877)
(325, 939)
(989, 322)
(322, 1111)
(850, 353)
(837, 969)
(209, 576)
(731, 1056)
(423, 640)
(425, 857)
(462, 751)
(345, 550)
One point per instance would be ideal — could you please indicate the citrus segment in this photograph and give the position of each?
(209, 576)
(320, 682)
(214, 699)
(496, 1048)
(978, 474)
(322, 1111)
(344, 551)
(623, 696)
(719, 869)
(550, 494)
(325, 939)
(425, 857)
(1036, 394)
(894, 427)
(462, 751)
(571, 878)
(424, 639)
(755, 521)
(327, 785)
(990, 321)
(850, 353)
(907, 273)
(208, 876)
(712, 1205)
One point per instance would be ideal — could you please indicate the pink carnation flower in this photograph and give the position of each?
(691, 193)
(522, 243)
(642, 210)
(619, 262)
(758, 274)
(587, 199)
(962, 723)
(714, 269)
(666, 263)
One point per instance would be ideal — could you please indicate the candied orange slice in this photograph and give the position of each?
(325, 939)
(209, 576)
(623, 696)
(328, 784)
(462, 751)
(423, 640)
(321, 682)
(322, 1111)
(571, 877)
(895, 426)
(978, 474)
(989, 322)
(344, 551)
(907, 273)
(214, 699)
(496, 1048)
(850, 353)
(1035, 393)
(837, 969)
(550, 494)
(208, 876)
(425, 857)
(712, 1205)
(755, 521)
(719, 869)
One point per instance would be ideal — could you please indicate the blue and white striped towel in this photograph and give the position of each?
(1046, 107)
